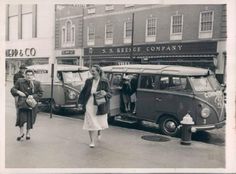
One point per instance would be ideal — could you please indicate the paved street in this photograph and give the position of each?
(60, 142)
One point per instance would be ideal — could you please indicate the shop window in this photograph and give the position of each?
(91, 35)
(176, 27)
(127, 31)
(68, 34)
(109, 33)
(206, 24)
(151, 30)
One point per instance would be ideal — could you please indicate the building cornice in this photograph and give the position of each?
(125, 11)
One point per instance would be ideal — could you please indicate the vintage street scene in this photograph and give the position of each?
(115, 86)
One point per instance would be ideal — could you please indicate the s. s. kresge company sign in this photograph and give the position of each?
(175, 48)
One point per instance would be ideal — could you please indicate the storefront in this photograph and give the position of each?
(197, 54)
(27, 53)
(69, 56)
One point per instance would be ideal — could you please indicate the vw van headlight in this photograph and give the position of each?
(72, 94)
(205, 112)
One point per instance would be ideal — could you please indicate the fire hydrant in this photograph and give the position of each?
(187, 129)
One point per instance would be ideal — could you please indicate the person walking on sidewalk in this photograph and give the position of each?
(95, 118)
(25, 88)
(19, 74)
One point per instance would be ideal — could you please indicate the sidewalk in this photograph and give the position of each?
(60, 142)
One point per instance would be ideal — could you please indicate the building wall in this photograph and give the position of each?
(163, 14)
(36, 49)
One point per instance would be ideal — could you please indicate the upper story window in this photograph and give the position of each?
(151, 30)
(21, 21)
(176, 27)
(91, 8)
(206, 24)
(68, 34)
(127, 31)
(109, 33)
(12, 22)
(109, 7)
(91, 35)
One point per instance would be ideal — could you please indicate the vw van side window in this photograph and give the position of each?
(147, 82)
(174, 83)
(116, 80)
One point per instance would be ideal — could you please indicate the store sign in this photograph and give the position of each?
(67, 52)
(149, 49)
(27, 52)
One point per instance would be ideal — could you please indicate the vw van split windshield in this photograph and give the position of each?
(75, 78)
(208, 83)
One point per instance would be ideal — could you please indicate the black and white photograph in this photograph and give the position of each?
(118, 87)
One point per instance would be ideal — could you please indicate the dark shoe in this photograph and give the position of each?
(19, 138)
(27, 138)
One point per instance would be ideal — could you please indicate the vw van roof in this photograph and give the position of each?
(158, 69)
(58, 67)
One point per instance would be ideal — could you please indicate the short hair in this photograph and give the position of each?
(29, 70)
(98, 69)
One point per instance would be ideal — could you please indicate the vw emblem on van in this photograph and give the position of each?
(219, 101)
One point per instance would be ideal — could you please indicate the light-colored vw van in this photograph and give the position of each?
(68, 82)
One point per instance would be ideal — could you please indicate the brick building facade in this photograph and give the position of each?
(191, 35)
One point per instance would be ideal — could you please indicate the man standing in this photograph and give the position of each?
(19, 74)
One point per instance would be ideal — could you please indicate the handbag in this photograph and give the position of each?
(31, 101)
(22, 103)
(99, 98)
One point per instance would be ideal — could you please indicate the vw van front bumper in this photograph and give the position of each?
(211, 126)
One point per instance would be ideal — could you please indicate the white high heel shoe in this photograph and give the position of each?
(91, 145)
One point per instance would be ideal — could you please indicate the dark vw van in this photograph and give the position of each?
(166, 93)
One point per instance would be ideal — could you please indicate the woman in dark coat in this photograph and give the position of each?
(23, 88)
(95, 118)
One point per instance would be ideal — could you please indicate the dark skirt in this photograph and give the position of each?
(27, 116)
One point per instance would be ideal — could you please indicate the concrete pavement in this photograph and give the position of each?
(60, 142)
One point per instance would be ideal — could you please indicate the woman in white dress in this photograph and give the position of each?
(95, 118)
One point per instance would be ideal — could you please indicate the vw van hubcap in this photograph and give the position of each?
(169, 126)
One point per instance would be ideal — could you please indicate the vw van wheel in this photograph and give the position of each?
(169, 126)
